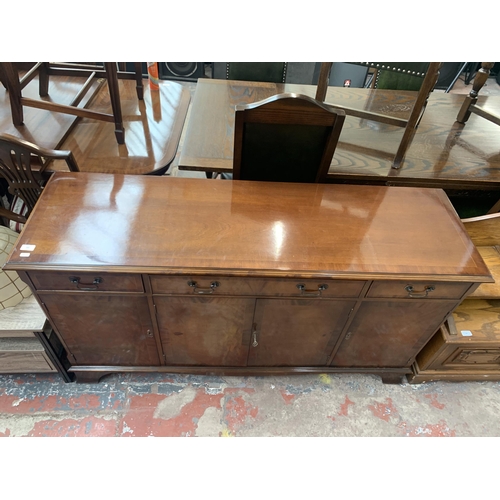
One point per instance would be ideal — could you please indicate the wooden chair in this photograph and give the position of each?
(10, 77)
(404, 76)
(27, 342)
(470, 103)
(287, 137)
(23, 165)
(274, 72)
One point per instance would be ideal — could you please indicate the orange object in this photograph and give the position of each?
(153, 76)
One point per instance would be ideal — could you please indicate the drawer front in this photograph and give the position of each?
(477, 357)
(23, 355)
(24, 362)
(417, 289)
(196, 285)
(95, 282)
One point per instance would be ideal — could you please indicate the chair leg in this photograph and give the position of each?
(324, 76)
(479, 81)
(14, 88)
(428, 84)
(114, 95)
(43, 80)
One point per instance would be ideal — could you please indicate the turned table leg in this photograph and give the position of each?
(479, 81)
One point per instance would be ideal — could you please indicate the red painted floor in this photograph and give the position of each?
(132, 405)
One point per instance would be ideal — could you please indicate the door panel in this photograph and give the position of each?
(297, 332)
(210, 331)
(390, 334)
(101, 329)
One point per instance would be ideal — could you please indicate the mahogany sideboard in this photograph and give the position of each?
(179, 275)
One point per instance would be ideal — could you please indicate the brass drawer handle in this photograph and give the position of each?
(254, 335)
(311, 293)
(202, 291)
(86, 286)
(420, 294)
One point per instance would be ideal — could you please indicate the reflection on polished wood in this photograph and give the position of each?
(268, 229)
(153, 126)
(201, 276)
(41, 126)
(443, 153)
(152, 131)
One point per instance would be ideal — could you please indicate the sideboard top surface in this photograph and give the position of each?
(90, 221)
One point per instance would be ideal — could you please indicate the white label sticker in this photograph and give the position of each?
(28, 248)
(24, 254)
(466, 333)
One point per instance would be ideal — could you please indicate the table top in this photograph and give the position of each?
(442, 152)
(142, 224)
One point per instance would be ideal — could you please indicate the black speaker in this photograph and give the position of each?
(187, 71)
(447, 73)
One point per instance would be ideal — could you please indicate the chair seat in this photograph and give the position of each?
(12, 289)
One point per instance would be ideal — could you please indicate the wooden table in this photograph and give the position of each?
(10, 77)
(443, 153)
(169, 274)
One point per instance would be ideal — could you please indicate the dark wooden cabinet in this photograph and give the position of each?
(102, 329)
(204, 331)
(142, 274)
(296, 332)
(390, 333)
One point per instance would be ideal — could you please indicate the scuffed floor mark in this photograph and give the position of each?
(236, 413)
(287, 397)
(176, 415)
(384, 411)
(58, 424)
(434, 402)
(70, 427)
(441, 429)
(172, 406)
(344, 407)
(209, 424)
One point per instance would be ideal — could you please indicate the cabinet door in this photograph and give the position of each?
(206, 331)
(297, 332)
(101, 329)
(390, 334)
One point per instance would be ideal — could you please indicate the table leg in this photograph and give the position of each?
(479, 81)
(114, 95)
(138, 78)
(14, 89)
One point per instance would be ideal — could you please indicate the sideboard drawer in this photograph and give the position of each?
(417, 289)
(96, 282)
(23, 355)
(256, 286)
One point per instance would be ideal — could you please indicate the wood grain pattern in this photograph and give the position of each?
(205, 331)
(484, 232)
(42, 127)
(167, 224)
(153, 129)
(99, 329)
(372, 339)
(442, 153)
(481, 317)
(296, 332)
